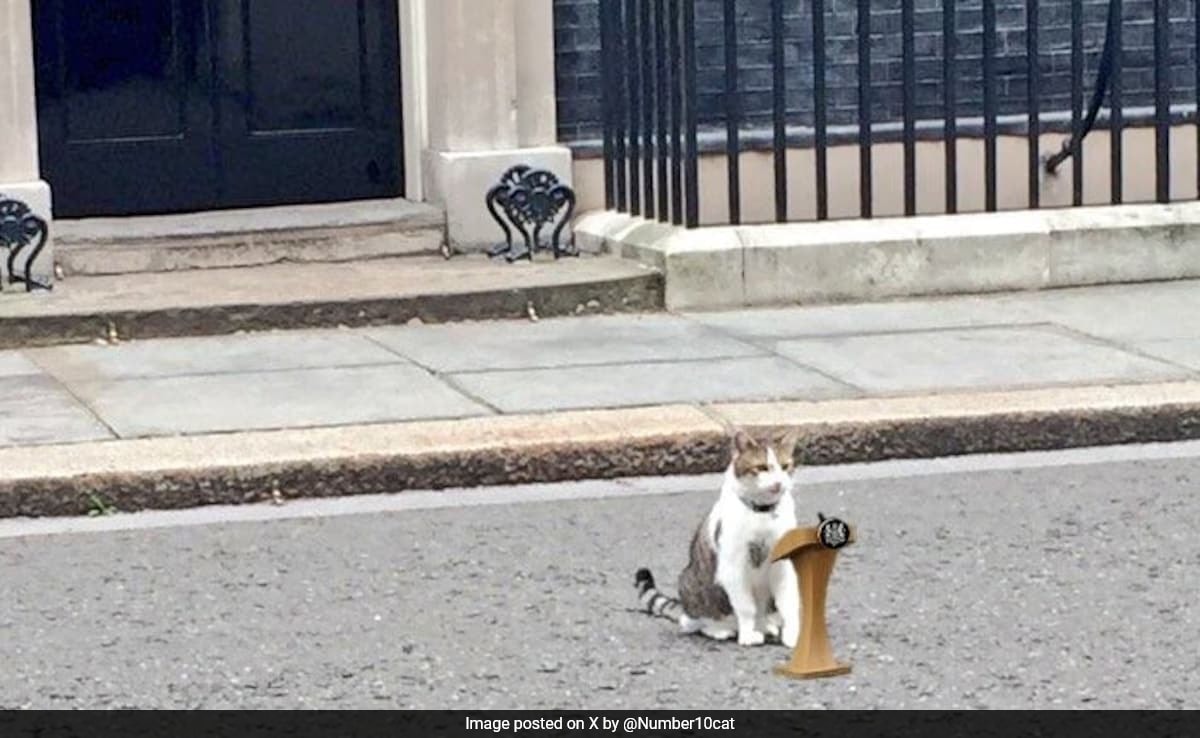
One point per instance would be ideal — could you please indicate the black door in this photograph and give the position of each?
(153, 106)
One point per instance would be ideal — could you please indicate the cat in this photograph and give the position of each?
(729, 588)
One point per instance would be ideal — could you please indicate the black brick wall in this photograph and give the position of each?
(577, 39)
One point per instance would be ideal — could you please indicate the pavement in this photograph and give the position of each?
(173, 422)
(1040, 580)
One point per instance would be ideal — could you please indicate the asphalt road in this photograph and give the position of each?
(1020, 587)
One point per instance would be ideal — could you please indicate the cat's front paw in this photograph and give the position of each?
(773, 626)
(751, 638)
(790, 636)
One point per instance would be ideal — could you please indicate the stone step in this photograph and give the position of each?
(315, 295)
(345, 231)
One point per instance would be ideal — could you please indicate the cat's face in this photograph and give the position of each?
(764, 468)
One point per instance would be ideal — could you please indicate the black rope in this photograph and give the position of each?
(1072, 146)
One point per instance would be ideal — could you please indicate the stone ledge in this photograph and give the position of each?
(323, 295)
(171, 473)
(849, 260)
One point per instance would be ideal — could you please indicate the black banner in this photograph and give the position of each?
(930, 724)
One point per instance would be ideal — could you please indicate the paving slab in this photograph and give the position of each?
(629, 385)
(1133, 312)
(265, 400)
(559, 343)
(1184, 351)
(16, 364)
(35, 409)
(259, 352)
(877, 317)
(972, 358)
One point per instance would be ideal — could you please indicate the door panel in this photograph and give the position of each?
(308, 75)
(123, 120)
(124, 72)
(309, 106)
(149, 106)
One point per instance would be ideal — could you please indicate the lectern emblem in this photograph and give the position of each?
(833, 533)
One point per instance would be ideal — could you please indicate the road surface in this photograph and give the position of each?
(1065, 579)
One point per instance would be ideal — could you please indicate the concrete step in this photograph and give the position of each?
(230, 238)
(312, 295)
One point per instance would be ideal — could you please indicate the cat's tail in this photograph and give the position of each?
(654, 602)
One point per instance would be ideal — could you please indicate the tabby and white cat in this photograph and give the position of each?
(729, 588)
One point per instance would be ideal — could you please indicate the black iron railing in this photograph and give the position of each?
(650, 117)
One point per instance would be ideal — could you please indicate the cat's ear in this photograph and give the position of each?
(786, 442)
(742, 442)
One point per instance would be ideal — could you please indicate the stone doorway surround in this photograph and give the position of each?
(20, 178)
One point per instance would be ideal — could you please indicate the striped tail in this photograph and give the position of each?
(654, 602)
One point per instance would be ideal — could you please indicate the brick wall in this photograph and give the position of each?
(577, 39)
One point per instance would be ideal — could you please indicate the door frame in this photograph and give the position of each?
(414, 98)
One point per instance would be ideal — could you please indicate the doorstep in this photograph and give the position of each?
(343, 231)
(323, 295)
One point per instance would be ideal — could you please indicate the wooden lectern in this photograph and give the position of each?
(813, 552)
